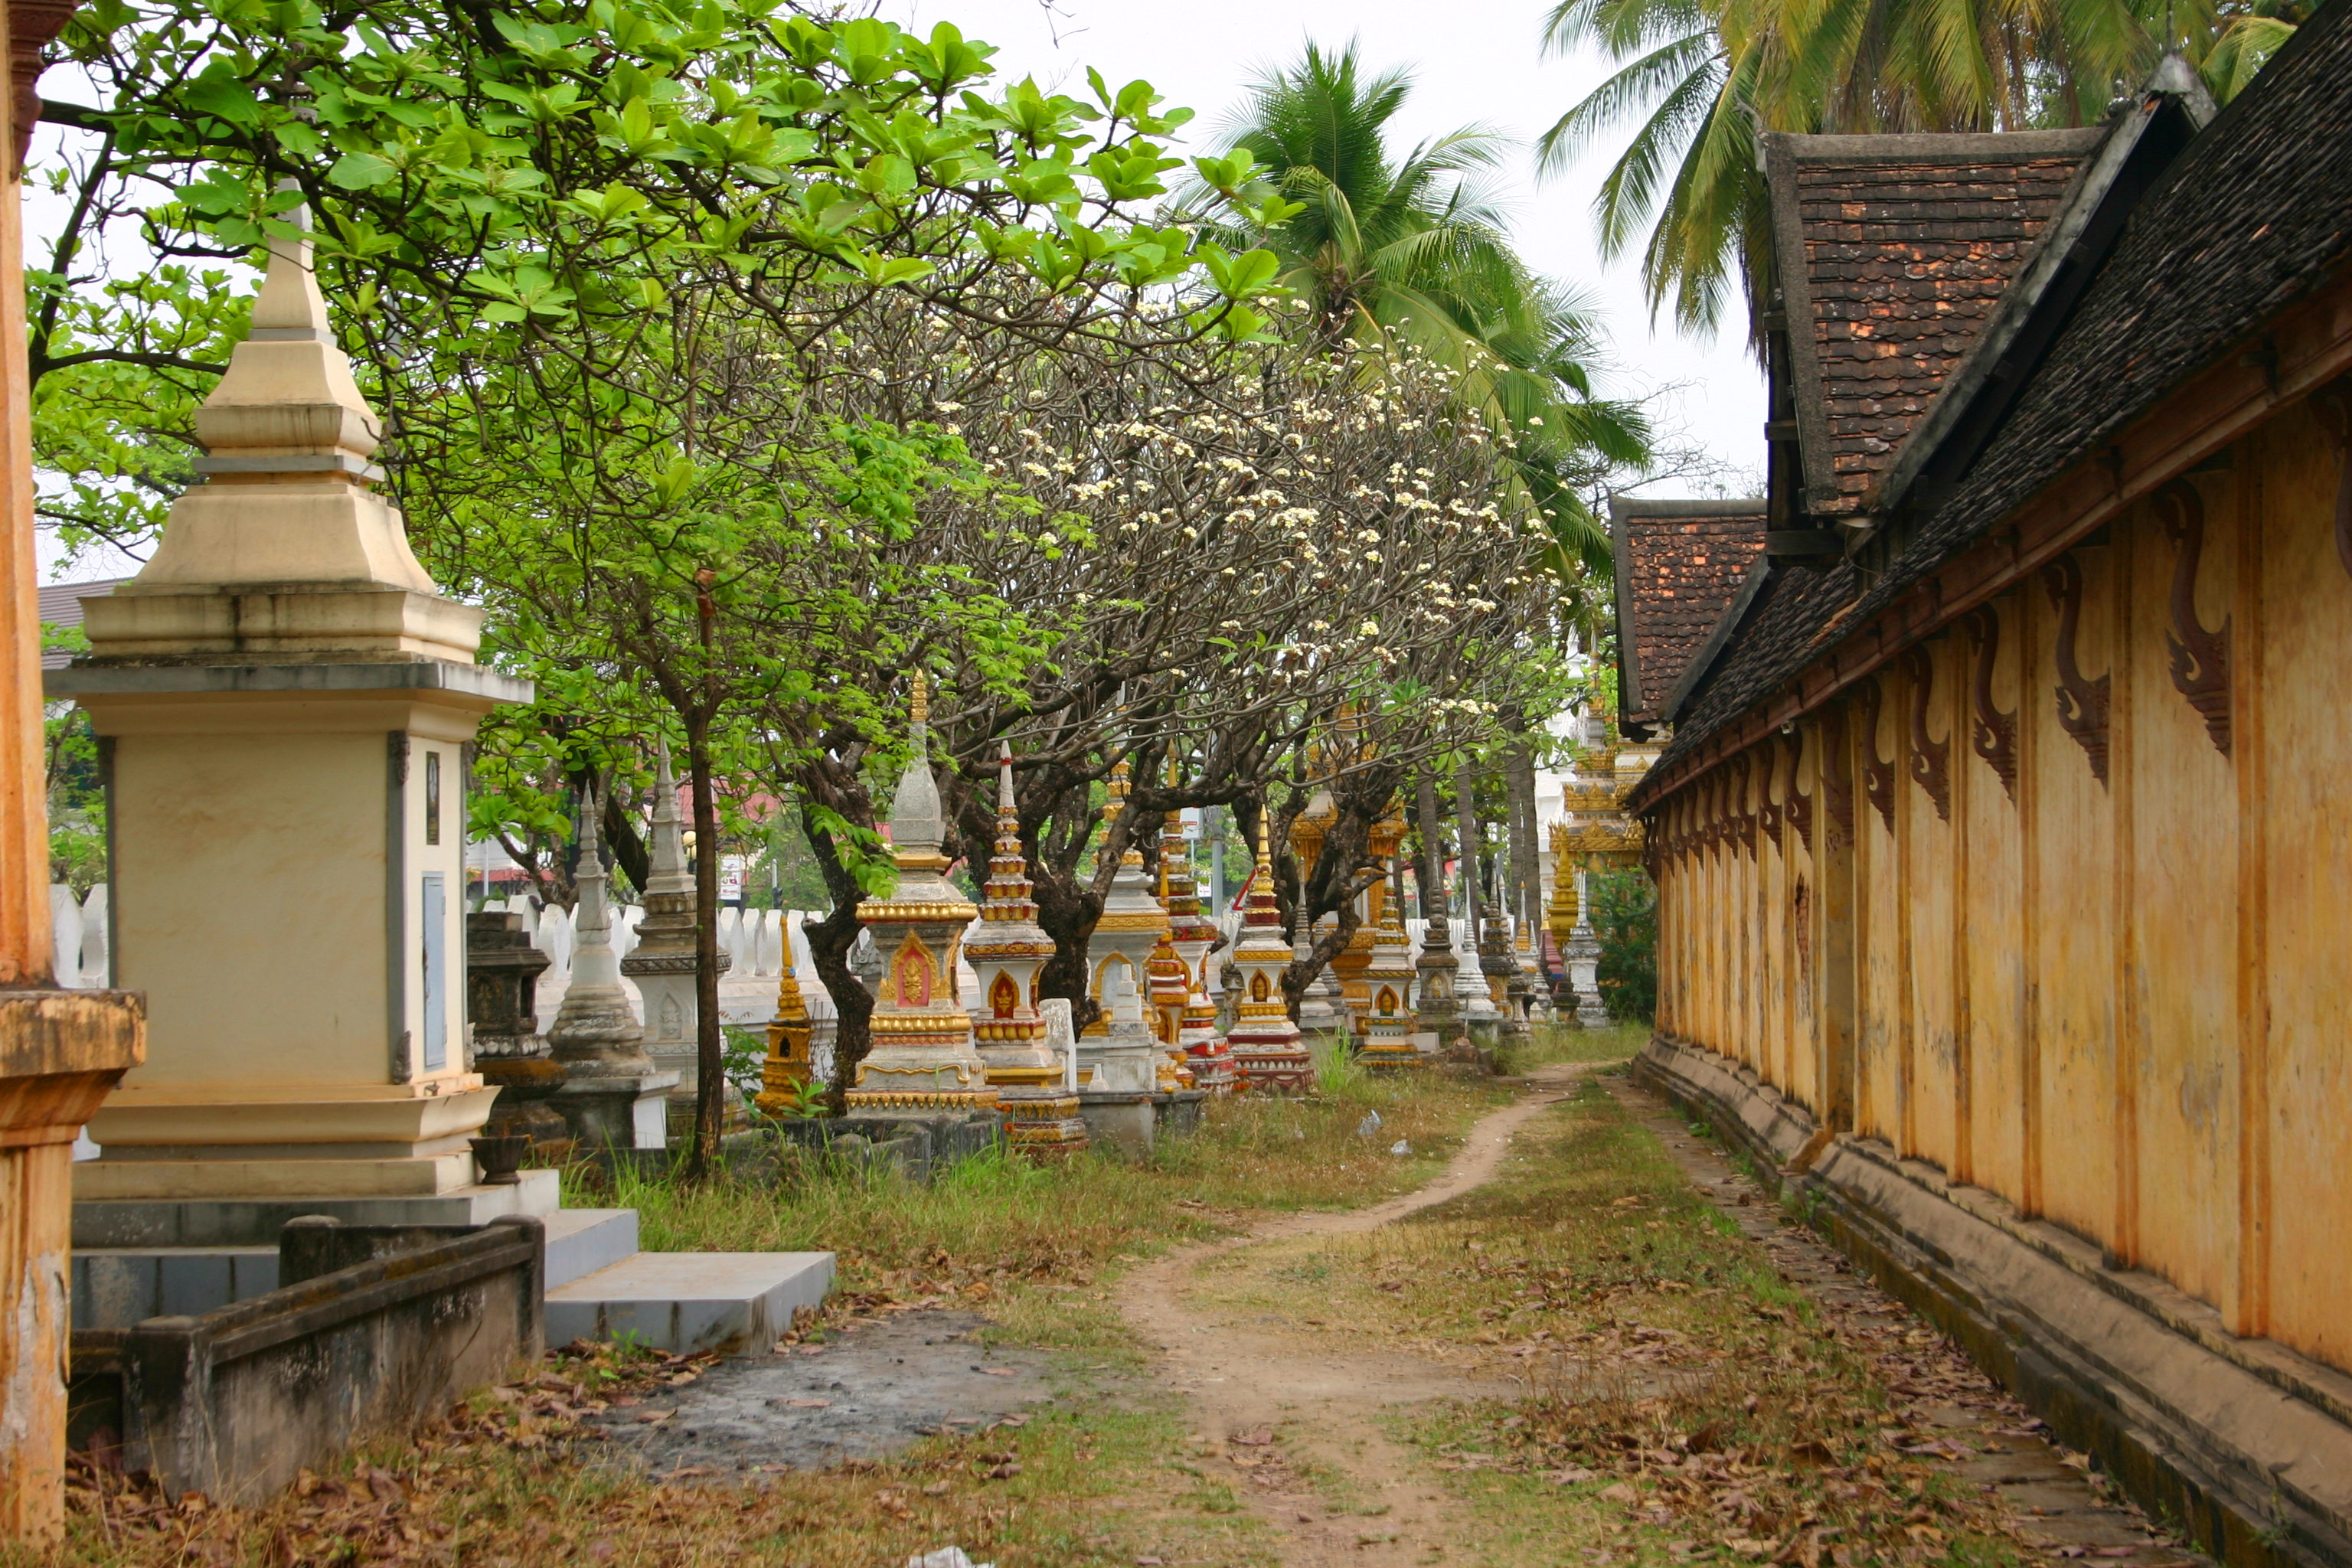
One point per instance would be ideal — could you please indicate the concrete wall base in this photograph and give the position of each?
(921, 1144)
(1120, 1122)
(1177, 1111)
(2239, 1444)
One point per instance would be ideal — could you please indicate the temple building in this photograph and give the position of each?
(1999, 828)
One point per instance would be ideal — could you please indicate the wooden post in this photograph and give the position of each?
(60, 1051)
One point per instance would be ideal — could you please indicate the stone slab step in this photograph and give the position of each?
(582, 1241)
(733, 1302)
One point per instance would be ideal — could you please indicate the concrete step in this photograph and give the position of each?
(733, 1302)
(582, 1241)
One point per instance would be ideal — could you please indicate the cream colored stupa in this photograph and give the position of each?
(1388, 980)
(1119, 1047)
(287, 701)
(922, 1059)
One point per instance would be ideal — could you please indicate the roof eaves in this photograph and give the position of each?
(1781, 153)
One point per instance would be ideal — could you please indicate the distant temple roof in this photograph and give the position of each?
(1891, 252)
(1680, 564)
(61, 606)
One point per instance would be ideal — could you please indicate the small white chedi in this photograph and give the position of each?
(662, 961)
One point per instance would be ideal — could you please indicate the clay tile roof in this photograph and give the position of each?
(2252, 218)
(1680, 563)
(1892, 253)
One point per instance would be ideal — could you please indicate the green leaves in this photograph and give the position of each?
(1240, 277)
(361, 172)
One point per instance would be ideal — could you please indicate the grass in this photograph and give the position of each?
(1561, 1044)
(1102, 1478)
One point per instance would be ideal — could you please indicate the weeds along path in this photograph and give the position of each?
(1292, 1422)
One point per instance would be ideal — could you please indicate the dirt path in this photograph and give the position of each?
(1269, 1405)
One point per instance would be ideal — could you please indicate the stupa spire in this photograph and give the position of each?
(917, 827)
(666, 862)
(1006, 897)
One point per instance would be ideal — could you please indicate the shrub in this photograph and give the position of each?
(1624, 908)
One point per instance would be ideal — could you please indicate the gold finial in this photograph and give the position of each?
(920, 709)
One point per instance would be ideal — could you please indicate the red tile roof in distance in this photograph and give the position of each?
(1893, 252)
(1679, 564)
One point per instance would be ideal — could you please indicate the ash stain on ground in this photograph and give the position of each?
(869, 1393)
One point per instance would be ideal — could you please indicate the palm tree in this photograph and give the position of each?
(1696, 78)
(1411, 252)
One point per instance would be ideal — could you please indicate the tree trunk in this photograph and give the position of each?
(830, 940)
(1433, 847)
(1465, 795)
(1527, 871)
(709, 1042)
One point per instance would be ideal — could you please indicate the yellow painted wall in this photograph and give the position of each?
(2122, 1004)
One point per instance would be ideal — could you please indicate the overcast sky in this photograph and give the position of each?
(1473, 62)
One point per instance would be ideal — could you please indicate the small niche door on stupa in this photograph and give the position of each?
(1005, 996)
(912, 970)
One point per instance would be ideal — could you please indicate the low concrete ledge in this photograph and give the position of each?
(2241, 1444)
(376, 1330)
(324, 674)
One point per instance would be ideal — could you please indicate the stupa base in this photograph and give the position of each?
(1212, 1069)
(1043, 1120)
(1287, 1070)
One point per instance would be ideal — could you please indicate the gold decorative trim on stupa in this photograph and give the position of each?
(1037, 1092)
(785, 1076)
(922, 1055)
(1263, 1040)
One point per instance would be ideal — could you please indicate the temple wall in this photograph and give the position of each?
(2119, 1004)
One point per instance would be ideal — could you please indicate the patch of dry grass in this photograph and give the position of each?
(1092, 1483)
(995, 1225)
(1685, 1402)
